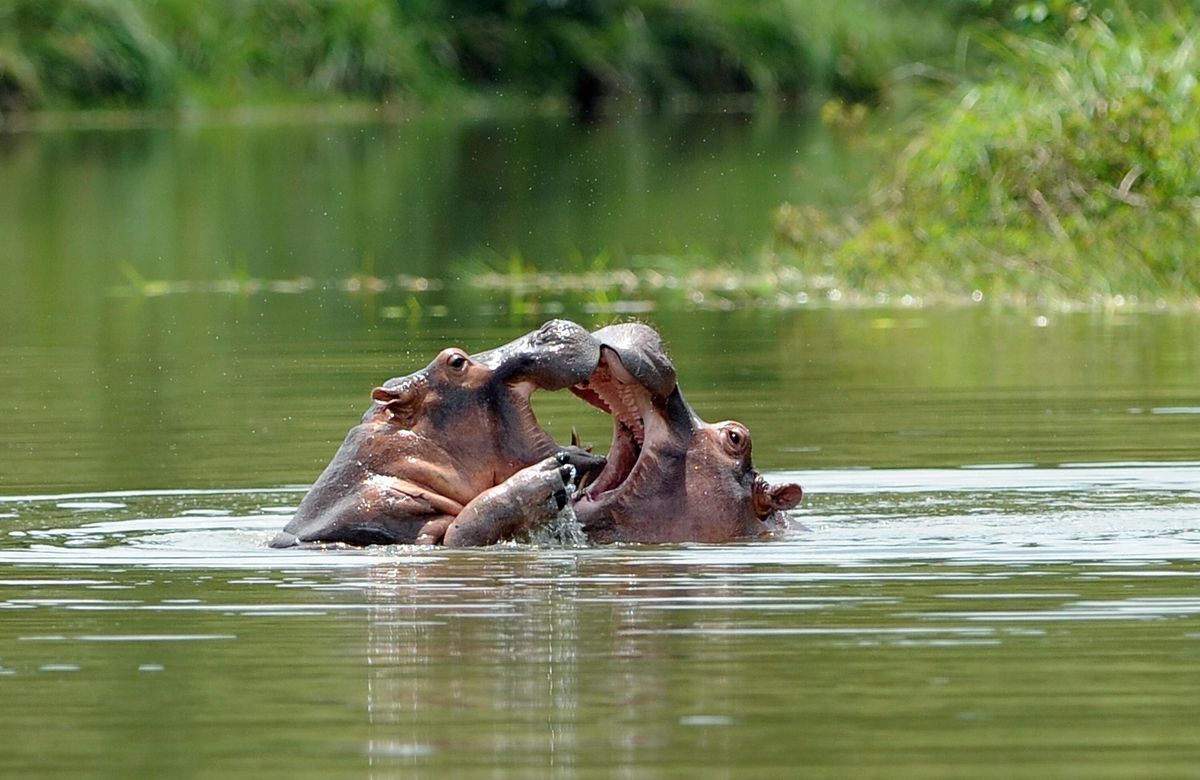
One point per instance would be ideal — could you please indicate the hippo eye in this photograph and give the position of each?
(737, 440)
(457, 361)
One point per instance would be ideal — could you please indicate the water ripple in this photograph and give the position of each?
(1133, 514)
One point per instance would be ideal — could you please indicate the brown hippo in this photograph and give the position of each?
(670, 477)
(453, 453)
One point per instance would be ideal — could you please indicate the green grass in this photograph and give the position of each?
(179, 53)
(81, 52)
(1062, 165)
(1073, 172)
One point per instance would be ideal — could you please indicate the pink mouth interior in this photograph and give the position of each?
(612, 390)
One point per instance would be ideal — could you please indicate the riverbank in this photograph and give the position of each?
(1056, 166)
(645, 285)
(1071, 173)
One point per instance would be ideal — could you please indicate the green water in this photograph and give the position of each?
(994, 572)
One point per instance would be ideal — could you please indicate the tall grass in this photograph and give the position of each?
(85, 52)
(1074, 170)
(230, 52)
(163, 52)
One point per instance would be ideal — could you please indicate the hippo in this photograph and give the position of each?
(453, 454)
(670, 476)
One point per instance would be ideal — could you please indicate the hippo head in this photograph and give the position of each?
(474, 412)
(670, 476)
(435, 439)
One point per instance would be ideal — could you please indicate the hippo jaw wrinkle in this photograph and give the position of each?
(541, 444)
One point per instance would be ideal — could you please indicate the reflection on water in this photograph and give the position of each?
(103, 389)
(967, 618)
(1010, 588)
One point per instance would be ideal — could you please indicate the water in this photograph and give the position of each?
(938, 621)
(994, 572)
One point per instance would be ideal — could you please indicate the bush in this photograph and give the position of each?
(88, 52)
(1074, 170)
(152, 52)
(588, 49)
(340, 47)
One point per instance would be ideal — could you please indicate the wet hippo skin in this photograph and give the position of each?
(670, 476)
(453, 454)
(440, 442)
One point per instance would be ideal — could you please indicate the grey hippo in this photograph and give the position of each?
(670, 476)
(452, 454)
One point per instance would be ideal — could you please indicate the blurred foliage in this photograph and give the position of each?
(84, 51)
(71, 53)
(235, 51)
(1074, 170)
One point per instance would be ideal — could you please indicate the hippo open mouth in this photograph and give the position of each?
(614, 391)
(453, 453)
(670, 476)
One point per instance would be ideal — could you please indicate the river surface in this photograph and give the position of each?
(995, 570)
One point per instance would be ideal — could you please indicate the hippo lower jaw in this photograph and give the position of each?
(625, 457)
(640, 436)
(541, 444)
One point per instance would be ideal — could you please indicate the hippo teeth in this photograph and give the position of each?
(616, 392)
(631, 416)
(622, 404)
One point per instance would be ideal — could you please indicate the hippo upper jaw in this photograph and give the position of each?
(557, 355)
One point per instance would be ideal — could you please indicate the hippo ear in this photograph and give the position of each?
(785, 496)
(768, 500)
(398, 403)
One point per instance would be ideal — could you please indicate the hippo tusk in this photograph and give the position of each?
(577, 443)
(585, 480)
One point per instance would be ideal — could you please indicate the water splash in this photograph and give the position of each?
(564, 529)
